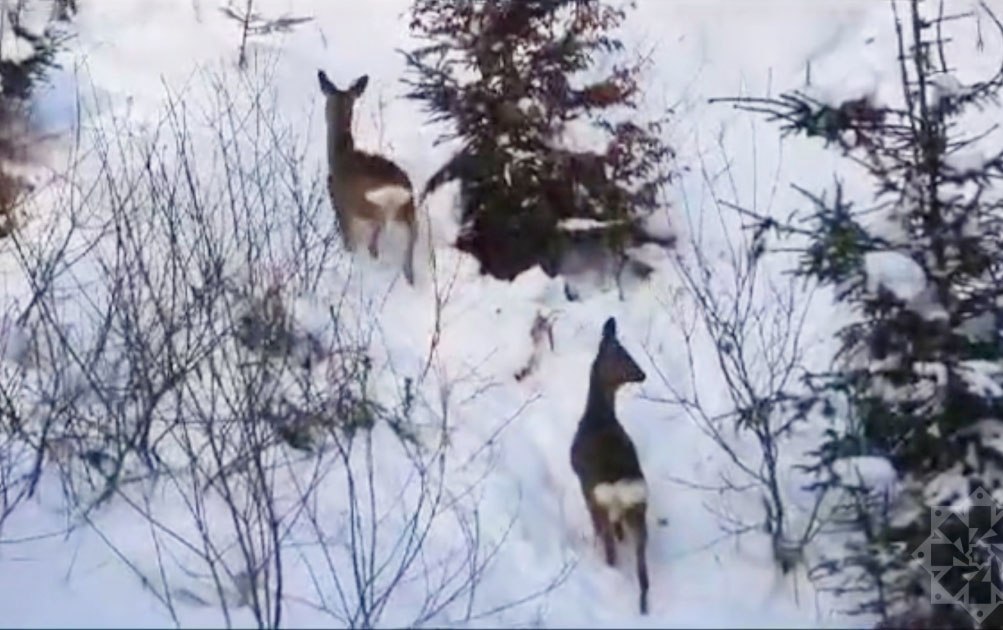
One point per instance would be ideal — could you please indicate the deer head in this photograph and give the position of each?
(613, 365)
(340, 103)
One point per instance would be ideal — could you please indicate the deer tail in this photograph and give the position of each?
(458, 166)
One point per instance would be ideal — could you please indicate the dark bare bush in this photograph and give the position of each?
(756, 322)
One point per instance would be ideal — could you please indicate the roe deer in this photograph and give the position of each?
(604, 459)
(364, 186)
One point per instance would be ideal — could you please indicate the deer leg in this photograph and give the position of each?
(346, 227)
(409, 255)
(637, 523)
(406, 215)
(621, 264)
(344, 220)
(618, 530)
(374, 239)
(601, 524)
(609, 546)
(597, 518)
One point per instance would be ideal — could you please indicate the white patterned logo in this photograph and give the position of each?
(962, 555)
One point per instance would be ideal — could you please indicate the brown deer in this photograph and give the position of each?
(364, 186)
(604, 459)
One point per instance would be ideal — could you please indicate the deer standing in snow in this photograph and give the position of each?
(364, 186)
(604, 459)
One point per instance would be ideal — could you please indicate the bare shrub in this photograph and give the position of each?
(252, 23)
(191, 353)
(754, 322)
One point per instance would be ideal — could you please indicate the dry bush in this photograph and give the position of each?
(168, 367)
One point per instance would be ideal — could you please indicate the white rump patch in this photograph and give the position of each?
(619, 496)
(389, 197)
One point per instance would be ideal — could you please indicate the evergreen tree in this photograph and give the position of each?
(509, 76)
(19, 75)
(33, 58)
(922, 364)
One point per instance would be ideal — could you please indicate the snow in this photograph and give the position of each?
(945, 87)
(983, 378)
(896, 272)
(582, 224)
(966, 162)
(458, 337)
(980, 328)
(874, 473)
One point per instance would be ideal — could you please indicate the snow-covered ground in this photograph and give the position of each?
(128, 54)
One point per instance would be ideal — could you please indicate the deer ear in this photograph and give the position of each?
(609, 329)
(359, 86)
(325, 84)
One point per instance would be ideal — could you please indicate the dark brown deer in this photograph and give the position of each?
(605, 460)
(364, 186)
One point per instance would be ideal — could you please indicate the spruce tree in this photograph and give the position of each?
(20, 75)
(922, 363)
(509, 77)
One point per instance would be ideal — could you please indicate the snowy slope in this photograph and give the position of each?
(128, 53)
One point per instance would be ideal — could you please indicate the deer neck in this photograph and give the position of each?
(340, 146)
(600, 407)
